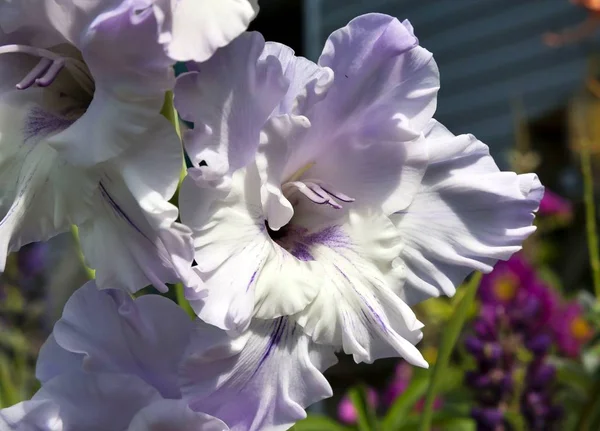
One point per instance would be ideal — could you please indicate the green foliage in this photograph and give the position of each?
(448, 341)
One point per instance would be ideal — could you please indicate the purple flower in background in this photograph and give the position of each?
(555, 205)
(31, 259)
(327, 192)
(347, 412)
(571, 329)
(83, 141)
(516, 313)
(400, 382)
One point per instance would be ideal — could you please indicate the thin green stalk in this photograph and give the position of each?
(182, 301)
(91, 274)
(447, 343)
(590, 214)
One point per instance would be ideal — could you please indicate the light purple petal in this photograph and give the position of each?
(31, 415)
(53, 361)
(364, 135)
(229, 99)
(174, 415)
(118, 42)
(97, 401)
(262, 380)
(308, 81)
(145, 337)
(466, 216)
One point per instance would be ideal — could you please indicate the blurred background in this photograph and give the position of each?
(521, 75)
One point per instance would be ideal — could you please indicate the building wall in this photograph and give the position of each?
(489, 52)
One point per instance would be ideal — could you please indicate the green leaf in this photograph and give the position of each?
(402, 406)
(447, 343)
(319, 423)
(9, 391)
(366, 417)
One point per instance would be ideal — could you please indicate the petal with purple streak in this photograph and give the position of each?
(262, 380)
(357, 308)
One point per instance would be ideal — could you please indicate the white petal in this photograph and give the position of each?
(40, 195)
(242, 268)
(134, 240)
(198, 27)
(144, 337)
(356, 309)
(229, 99)
(466, 216)
(174, 415)
(261, 381)
(271, 159)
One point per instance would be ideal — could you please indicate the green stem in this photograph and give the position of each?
(182, 301)
(583, 424)
(91, 274)
(590, 214)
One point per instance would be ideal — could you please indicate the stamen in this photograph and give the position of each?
(49, 77)
(35, 73)
(329, 189)
(49, 67)
(317, 191)
(302, 188)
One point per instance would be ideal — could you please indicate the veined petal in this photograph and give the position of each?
(174, 415)
(466, 215)
(262, 380)
(356, 309)
(134, 240)
(229, 100)
(241, 266)
(195, 29)
(145, 337)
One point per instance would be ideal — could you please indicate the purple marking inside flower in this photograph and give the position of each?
(298, 242)
(251, 280)
(42, 123)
